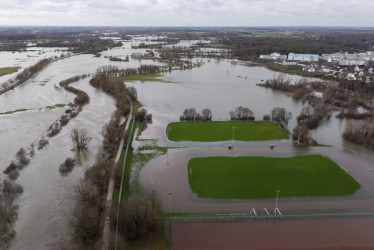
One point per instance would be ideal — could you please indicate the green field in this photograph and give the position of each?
(156, 77)
(8, 70)
(222, 131)
(250, 177)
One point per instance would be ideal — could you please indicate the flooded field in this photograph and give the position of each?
(221, 85)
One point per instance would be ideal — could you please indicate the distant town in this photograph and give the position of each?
(342, 65)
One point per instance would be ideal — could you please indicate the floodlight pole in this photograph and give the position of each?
(276, 202)
(233, 134)
(170, 194)
(167, 137)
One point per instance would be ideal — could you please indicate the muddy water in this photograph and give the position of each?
(219, 85)
(26, 59)
(222, 86)
(46, 202)
(327, 234)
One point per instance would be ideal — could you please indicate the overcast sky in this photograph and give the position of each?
(187, 12)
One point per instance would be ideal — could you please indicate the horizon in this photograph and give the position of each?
(181, 13)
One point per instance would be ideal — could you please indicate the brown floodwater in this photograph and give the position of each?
(173, 177)
(307, 234)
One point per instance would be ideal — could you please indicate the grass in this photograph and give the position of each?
(8, 70)
(156, 77)
(155, 241)
(250, 177)
(14, 111)
(222, 131)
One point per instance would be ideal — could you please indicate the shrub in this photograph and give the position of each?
(11, 187)
(42, 143)
(137, 219)
(64, 120)
(12, 166)
(267, 117)
(13, 175)
(67, 166)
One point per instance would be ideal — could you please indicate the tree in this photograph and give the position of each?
(137, 219)
(242, 113)
(281, 115)
(133, 93)
(80, 139)
(207, 114)
(302, 135)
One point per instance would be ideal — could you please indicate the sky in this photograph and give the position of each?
(187, 12)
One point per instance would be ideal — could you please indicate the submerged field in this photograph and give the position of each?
(223, 131)
(251, 177)
(8, 70)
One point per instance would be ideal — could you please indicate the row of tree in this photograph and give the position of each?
(191, 115)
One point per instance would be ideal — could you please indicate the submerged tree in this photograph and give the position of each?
(80, 139)
(281, 115)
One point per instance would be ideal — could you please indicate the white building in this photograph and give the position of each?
(303, 57)
(274, 56)
(309, 69)
(351, 76)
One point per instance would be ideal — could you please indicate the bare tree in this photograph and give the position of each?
(138, 219)
(207, 114)
(80, 139)
(281, 115)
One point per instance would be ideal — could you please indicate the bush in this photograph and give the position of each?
(137, 219)
(12, 166)
(267, 117)
(64, 120)
(67, 166)
(11, 187)
(13, 175)
(73, 114)
(42, 143)
(302, 135)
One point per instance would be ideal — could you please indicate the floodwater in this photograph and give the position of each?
(47, 199)
(347, 234)
(26, 59)
(222, 86)
(219, 85)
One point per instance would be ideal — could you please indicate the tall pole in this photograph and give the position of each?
(276, 202)
(169, 193)
(167, 135)
(233, 134)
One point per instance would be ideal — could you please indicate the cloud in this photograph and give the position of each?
(187, 12)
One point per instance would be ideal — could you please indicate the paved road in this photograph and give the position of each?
(109, 198)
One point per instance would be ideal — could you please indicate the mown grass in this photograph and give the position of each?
(222, 131)
(250, 177)
(8, 70)
(156, 77)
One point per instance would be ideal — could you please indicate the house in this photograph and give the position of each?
(309, 69)
(351, 77)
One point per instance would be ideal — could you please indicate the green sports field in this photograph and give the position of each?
(250, 177)
(222, 131)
